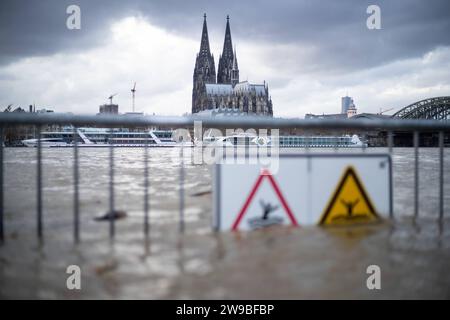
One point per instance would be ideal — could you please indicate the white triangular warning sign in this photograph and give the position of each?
(266, 207)
(350, 203)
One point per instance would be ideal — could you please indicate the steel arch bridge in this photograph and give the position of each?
(437, 108)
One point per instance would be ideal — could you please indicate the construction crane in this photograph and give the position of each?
(111, 97)
(132, 93)
(383, 111)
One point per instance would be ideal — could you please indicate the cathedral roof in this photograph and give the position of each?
(241, 87)
(245, 86)
(221, 112)
(219, 89)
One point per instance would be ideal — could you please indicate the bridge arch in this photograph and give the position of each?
(437, 108)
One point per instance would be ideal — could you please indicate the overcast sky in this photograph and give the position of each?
(310, 52)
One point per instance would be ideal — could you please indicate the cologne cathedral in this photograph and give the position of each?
(225, 91)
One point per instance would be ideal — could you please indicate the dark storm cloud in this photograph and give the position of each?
(36, 28)
(336, 30)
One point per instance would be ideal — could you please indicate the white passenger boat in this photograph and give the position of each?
(248, 139)
(239, 139)
(345, 141)
(103, 137)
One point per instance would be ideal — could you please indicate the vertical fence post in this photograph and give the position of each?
(76, 206)
(111, 186)
(1, 187)
(441, 176)
(390, 142)
(364, 146)
(146, 185)
(182, 189)
(416, 174)
(39, 184)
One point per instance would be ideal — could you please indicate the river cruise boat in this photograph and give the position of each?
(103, 137)
(247, 139)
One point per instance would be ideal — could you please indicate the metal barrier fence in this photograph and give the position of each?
(38, 120)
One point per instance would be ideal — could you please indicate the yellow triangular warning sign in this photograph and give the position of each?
(350, 203)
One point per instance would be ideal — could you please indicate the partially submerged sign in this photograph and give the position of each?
(349, 203)
(305, 189)
(267, 208)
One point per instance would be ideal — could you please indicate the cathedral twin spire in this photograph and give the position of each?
(205, 70)
(211, 91)
(204, 44)
(228, 71)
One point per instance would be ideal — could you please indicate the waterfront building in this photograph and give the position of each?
(351, 111)
(109, 109)
(346, 102)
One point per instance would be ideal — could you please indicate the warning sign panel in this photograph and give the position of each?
(269, 212)
(252, 196)
(305, 189)
(350, 203)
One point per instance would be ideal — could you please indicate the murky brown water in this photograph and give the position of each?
(275, 263)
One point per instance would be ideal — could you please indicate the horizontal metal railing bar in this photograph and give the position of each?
(222, 122)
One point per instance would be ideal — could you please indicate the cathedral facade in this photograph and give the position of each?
(224, 91)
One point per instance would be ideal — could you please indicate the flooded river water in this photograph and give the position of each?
(291, 263)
